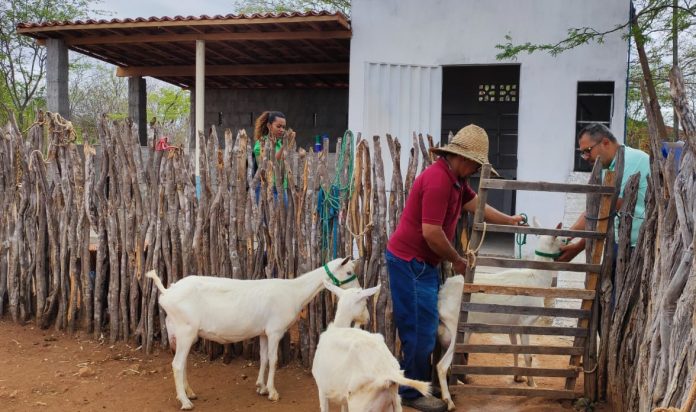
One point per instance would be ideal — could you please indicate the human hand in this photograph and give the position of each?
(570, 250)
(518, 220)
(460, 265)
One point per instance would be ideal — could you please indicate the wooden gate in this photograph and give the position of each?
(601, 204)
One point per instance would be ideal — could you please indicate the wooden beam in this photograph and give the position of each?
(235, 70)
(520, 349)
(527, 330)
(189, 37)
(476, 237)
(504, 391)
(567, 293)
(525, 310)
(239, 21)
(540, 231)
(544, 186)
(535, 264)
(516, 371)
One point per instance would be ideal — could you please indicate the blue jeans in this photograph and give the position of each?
(414, 286)
(275, 194)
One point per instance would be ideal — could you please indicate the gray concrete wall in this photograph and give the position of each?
(309, 111)
(57, 77)
(137, 106)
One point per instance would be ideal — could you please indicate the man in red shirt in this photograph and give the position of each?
(423, 238)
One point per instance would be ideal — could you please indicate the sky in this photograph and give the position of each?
(147, 8)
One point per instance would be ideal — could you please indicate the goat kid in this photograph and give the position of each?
(355, 368)
(450, 297)
(231, 310)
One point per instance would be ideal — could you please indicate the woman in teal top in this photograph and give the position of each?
(270, 123)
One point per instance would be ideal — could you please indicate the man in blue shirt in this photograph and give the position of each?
(597, 141)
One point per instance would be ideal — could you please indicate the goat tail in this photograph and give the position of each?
(421, 386)
(153, 275)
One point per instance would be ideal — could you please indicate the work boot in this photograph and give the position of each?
(423, 404)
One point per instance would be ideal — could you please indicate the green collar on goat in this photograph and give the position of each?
(548, 255)
(335, 280)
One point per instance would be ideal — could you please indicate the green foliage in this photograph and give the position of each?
(280, 6)
(170, 107)
(22, 60)
(168, 104)
(576, 37)
(95, 90)
(653, 25)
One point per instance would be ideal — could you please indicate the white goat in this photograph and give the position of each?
(231, 310)
(354, 367)
(449, 306)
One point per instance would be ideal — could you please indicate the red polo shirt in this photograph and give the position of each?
(436, 198)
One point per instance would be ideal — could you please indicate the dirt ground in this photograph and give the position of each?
(52, 371)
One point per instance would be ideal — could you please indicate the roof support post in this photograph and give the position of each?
(57, 77)
(137, 104)
(200, 107)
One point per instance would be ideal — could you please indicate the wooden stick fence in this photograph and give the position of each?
(142, 206)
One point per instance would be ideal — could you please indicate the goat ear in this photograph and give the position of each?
(346, 260)
(365, 293)
(333, 288)
(535, 222)
(559, 225)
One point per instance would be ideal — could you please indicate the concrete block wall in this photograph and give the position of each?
(309, 111)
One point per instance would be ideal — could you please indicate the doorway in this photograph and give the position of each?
(488, 96)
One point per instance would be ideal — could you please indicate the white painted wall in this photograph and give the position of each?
(434, 33)
(400, 99)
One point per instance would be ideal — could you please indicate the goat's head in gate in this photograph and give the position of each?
(341, 272)
(550, 244)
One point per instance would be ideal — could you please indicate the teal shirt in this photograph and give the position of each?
(635, 161)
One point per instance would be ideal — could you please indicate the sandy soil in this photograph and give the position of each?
(51, 371)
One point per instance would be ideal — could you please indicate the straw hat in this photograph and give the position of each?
(470, 142)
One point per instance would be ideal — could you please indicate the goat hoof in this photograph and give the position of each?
(192, 396)
(468, 381)
(273, 396)
(450, 405)
(519, 379)
(186, 405)
(531, 383)
(262, 390)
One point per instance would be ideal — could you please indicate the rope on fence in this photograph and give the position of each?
(471, 254)
(521, 238)
(362, 233)
(329, 201)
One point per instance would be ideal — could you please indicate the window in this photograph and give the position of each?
(497, 92)
(595, 104)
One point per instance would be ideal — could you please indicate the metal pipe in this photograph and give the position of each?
(200, 107)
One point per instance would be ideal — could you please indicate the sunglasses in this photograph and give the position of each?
(585, 153)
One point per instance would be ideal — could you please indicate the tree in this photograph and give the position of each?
(653, 27)
(647, 348)
(279, 6)
(95, 90)
(22, 59)
(170, 107)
